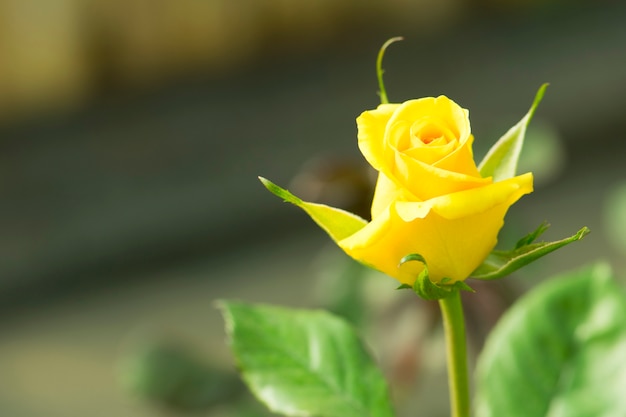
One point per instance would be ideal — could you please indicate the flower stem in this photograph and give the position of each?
(454, 327)
(379, 68)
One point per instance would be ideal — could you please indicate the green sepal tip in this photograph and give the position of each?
(339, 224)
(501, 160)
(501, 263)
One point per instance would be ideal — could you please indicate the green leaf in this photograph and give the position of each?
(501, 160)
(427, 289)
(305, 362)
(558, 352)
(501, 263)
(339, 224)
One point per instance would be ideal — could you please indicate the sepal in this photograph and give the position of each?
(427, 289)
(501, 160)
(501, 263)
(339, 224)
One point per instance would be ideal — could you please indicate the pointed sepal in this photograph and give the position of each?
(427, 289)
(501, 263)
(339, 224)
(500, 162)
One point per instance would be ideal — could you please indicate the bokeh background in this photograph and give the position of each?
(132, 133)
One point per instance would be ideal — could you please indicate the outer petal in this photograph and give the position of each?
(469, 202)
(386, 192)
(453, 247)
(428, 181)
(371, 126)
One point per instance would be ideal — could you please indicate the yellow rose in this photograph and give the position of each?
(430, 198)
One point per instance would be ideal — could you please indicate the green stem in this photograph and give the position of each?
(379, 68)
(454, 326)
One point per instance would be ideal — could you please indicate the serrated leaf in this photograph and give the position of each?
(500, 162)
(339, 224)
(305, 362)
(558, 352)
(501, 263)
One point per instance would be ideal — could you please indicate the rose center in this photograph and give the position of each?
(431, 133)
(427, 139)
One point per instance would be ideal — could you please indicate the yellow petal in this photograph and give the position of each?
(478, 200)
(460, 160)
(453, 246)
(441, 111)
(427, 181)
(386, 192)
(433, 152)
(371, 126)
(469, 202)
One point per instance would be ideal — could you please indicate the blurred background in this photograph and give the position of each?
(131, 136)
